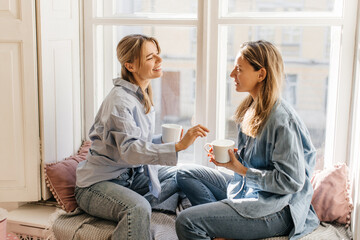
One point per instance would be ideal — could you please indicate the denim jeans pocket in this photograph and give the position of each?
(124, 179)
(125, 175)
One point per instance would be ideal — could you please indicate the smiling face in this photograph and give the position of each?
(149, 67)
(246, 78)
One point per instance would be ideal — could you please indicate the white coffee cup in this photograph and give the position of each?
(171, 132)
(220, 149)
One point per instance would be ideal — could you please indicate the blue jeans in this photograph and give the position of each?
(209, 217)
(127, 201)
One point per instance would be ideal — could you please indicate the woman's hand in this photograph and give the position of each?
(190, 137)
(233, 164)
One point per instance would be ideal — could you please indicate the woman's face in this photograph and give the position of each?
(150, 64)
(245, 77)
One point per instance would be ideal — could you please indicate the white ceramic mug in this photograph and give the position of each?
(220, 149)
(171, 132)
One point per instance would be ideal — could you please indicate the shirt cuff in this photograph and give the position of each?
(167, 154)
(252, 177)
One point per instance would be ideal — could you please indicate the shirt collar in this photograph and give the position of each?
(129, 86)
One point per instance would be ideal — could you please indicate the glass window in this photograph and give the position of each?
(237, 6)
(291, 41)
(146, 8)
(289, 91)
(306, 82)
(173, 97)
(316, 39)
(267, 33)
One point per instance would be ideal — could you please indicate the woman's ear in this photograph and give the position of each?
(129, 67)
(262, 74)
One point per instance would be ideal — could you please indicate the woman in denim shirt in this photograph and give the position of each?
(270, 193)
(121, 179)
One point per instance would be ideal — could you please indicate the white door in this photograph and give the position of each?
(19, 121)
(59, 79)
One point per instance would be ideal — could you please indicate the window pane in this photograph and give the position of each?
(238, 6)
(145, 8)
(306, 68)
(174, 93)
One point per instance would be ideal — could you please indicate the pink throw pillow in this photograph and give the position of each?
(331, 199)
(60, 177)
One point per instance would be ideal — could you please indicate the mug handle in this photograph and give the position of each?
(207, 147)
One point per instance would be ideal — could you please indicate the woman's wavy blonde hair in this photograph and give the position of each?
(128, 50)
(253, 113)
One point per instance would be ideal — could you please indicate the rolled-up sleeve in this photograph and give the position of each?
(122, 131)
(288, 175)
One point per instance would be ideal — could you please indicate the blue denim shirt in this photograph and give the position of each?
(122, 137)
(280, 162)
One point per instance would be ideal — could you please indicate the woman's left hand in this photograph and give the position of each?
(233, 164)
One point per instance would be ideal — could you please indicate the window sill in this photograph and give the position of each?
(31, 220)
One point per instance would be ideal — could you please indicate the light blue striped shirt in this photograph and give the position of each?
(122, 137)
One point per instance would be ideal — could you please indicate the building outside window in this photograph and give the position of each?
(289, 92)
(291, 41)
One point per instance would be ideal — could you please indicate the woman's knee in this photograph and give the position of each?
(186, 225)
(183, 220)
(136, 208)
(180, 223)
(186, 172)
(141, 209)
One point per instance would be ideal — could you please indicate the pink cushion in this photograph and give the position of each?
(60, 177)
(331, 199)
(3, 229)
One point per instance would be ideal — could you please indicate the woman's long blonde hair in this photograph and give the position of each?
(128, 50)
(253, 113)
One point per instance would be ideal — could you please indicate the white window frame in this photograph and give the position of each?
(211, 51)
(354, 150)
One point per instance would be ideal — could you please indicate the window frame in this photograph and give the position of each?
(211, 51)
(354, 150)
